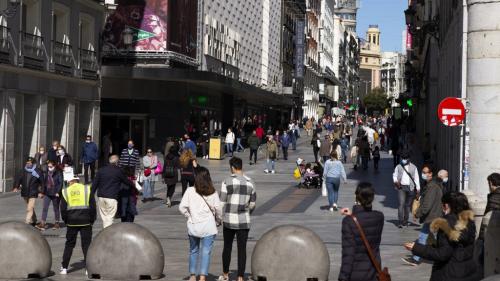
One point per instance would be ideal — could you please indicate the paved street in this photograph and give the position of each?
(278, 202)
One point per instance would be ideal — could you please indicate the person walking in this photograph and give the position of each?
(41, 158)
(333, 173)
(64, 160)
(129, 159)
(53, 185)
(239, 136)
(107, 184)
(171, 168)
(364, 150)
(188, 164)
(325, 149)
(204, 142)
(149, 163)
(277, 140)
(492, 203)
(253, 143)
(78, 209)
(189, 145)
(309, 126)
(405, 178)
(238, 198)
(376, 157)
(52, 153)
(229, 142)
(453, 251)
(344, 146)
(430, 208)
(285, 143)
(260, 133)
(89, 156)
(271, 154)
(443, 178)
(316, 144)
(202, 208)
(31, 184)
(356, 264)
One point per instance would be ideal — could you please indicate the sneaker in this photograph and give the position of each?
(63, 271)
(335, 207)
(273, 172)
(222, 278)
(266, 171)
(331, 209)
(411, 261)
(40, 226)
(86, 273)
(56, 226)
(168, 202)
(400, 226)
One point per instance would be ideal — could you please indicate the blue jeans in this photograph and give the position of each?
(422, 237)
(149, 189)
(229, 148)
(332, 186)
(270, 164)
(238, 145)
(206, 244)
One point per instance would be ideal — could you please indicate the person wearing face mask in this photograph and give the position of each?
(52, 153)
(443, 177)
(129, 159)
(430, 208)
(53, 186)
(63, 159)
(493, 202)
(405, 178)
(41, 159)
(89, 157)
(31, 184)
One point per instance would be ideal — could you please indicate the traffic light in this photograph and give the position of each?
(409, 102)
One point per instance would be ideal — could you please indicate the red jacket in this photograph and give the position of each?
(259, 132)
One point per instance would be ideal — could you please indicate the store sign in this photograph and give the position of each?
(451, 112)
(299, 49)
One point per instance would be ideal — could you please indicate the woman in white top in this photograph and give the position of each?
(149, 161)
(200, 204)
(229, 141)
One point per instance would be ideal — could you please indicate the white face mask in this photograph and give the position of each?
(445, 180)
(61, 152)
(52, 169)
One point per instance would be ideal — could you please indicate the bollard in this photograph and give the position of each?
(292, 253)
(492, 278)
(492, 245)
(125, 251)
(24, 252)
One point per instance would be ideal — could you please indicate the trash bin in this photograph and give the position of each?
(125, 251)
(24, 252)
(216, 149)
(271, 258)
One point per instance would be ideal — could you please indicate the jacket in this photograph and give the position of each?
(356, 265)
(253, 142)
(108, 182)
(78, 216)
(271, 150)
(129, 159)
(430, 203)
(453, 252)
(326, 148)
(493, 204)
(90, 153)
(52, 154)
(41, 161)
(285, 140)
(171, 160)
(30, 185)
(57, 177)
(63, 161)
(230, 137)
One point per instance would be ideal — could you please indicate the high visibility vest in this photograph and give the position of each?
(77, 196)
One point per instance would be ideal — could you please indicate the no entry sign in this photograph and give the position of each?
(451, 112)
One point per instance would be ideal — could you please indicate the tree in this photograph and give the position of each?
(376, 100)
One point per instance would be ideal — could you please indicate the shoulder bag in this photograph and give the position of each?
(416, 201)
(382, 274)
(218, 221)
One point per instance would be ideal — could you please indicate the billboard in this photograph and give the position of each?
(156, 26)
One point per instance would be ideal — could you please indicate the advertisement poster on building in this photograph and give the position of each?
(182, 27)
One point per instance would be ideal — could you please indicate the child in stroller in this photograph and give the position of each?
(311, 174)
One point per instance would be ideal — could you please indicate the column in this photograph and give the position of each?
(483, 92)
(7, 136)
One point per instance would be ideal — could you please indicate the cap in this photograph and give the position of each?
(73, 177)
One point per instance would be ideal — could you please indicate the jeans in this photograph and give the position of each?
(364, 162)
(345, 152)
(71, 234)
(206, 244)
(254, 153)
(149, 189)
(55, 204)
(204, 149)
(294, 142)
(270, 165)
(405, 197)
(86, 168)
(285, 152)
(241, 242)
(239, 147)
(229, 148)
(332, 186)
(375, 163)
(325, 158)
(422, 237)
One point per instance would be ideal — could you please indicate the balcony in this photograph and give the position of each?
(5, 44)
(34, 52)
(63, 59)
(89, 64)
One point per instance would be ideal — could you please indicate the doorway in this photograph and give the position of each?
(124, 127)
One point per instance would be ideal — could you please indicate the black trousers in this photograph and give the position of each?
(71, 234)
(315, 151)
(241, 242)
(285, 152)
(86, 168)
(170, 190)
(185, 183)
(254, 153)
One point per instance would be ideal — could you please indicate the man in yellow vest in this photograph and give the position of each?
(78, 211)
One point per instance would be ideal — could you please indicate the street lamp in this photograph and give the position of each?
(11, 10)
(128, 36)
(410, 16)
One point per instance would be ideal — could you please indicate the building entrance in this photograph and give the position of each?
(124, 127)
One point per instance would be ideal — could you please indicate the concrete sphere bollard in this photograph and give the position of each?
(24, 252)
(492, 278)
(125, 251)
(292, 253)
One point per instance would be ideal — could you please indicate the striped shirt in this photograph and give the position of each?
(238, 198)
(129, 159)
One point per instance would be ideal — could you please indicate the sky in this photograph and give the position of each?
(389, 15)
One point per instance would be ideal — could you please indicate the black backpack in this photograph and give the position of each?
(169, 168)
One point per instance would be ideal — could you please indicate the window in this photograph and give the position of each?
(61, 23)
(87, 32)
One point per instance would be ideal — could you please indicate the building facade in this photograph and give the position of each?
(347, 10)
(370, 60)
(392, 75)
(312, 75)
(49, 79)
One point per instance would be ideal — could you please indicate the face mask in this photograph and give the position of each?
(54, 147)
(424, 177)
(130, 146)
(42, 152)
(87, 141)
(61, 152)
(445, 180)
(29, 166)
(404, 162)
(52, 169)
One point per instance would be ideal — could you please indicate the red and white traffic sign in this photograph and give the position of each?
(451, 112)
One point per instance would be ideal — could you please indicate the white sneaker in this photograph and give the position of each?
(63, 271)
(86, 273)
(331, 210)
(272, 172)
(266, 171)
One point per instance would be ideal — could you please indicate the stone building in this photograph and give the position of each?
(370, 60)
(312, 75)
(392, 75)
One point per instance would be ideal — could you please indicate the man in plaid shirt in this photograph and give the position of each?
(238, 200)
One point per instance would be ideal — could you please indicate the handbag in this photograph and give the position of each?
(218, 221)
(415, 205)
(382, 274)
(158, 168)
(324, 192)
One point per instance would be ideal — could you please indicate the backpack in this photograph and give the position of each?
(169, 169)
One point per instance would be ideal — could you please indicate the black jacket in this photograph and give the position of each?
(58, 183)
(356, 265)
(173, 161)
(453, 252)
(79, 217)
(108, 182)
(430, 203)
(493, 204)
(30, 185)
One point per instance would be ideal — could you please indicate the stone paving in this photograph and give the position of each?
(278, 203)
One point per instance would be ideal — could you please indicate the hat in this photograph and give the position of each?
(73, 177)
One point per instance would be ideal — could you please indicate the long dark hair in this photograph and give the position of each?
(203, 182)
(457, 201)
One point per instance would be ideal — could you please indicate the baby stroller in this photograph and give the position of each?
(311, 174)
